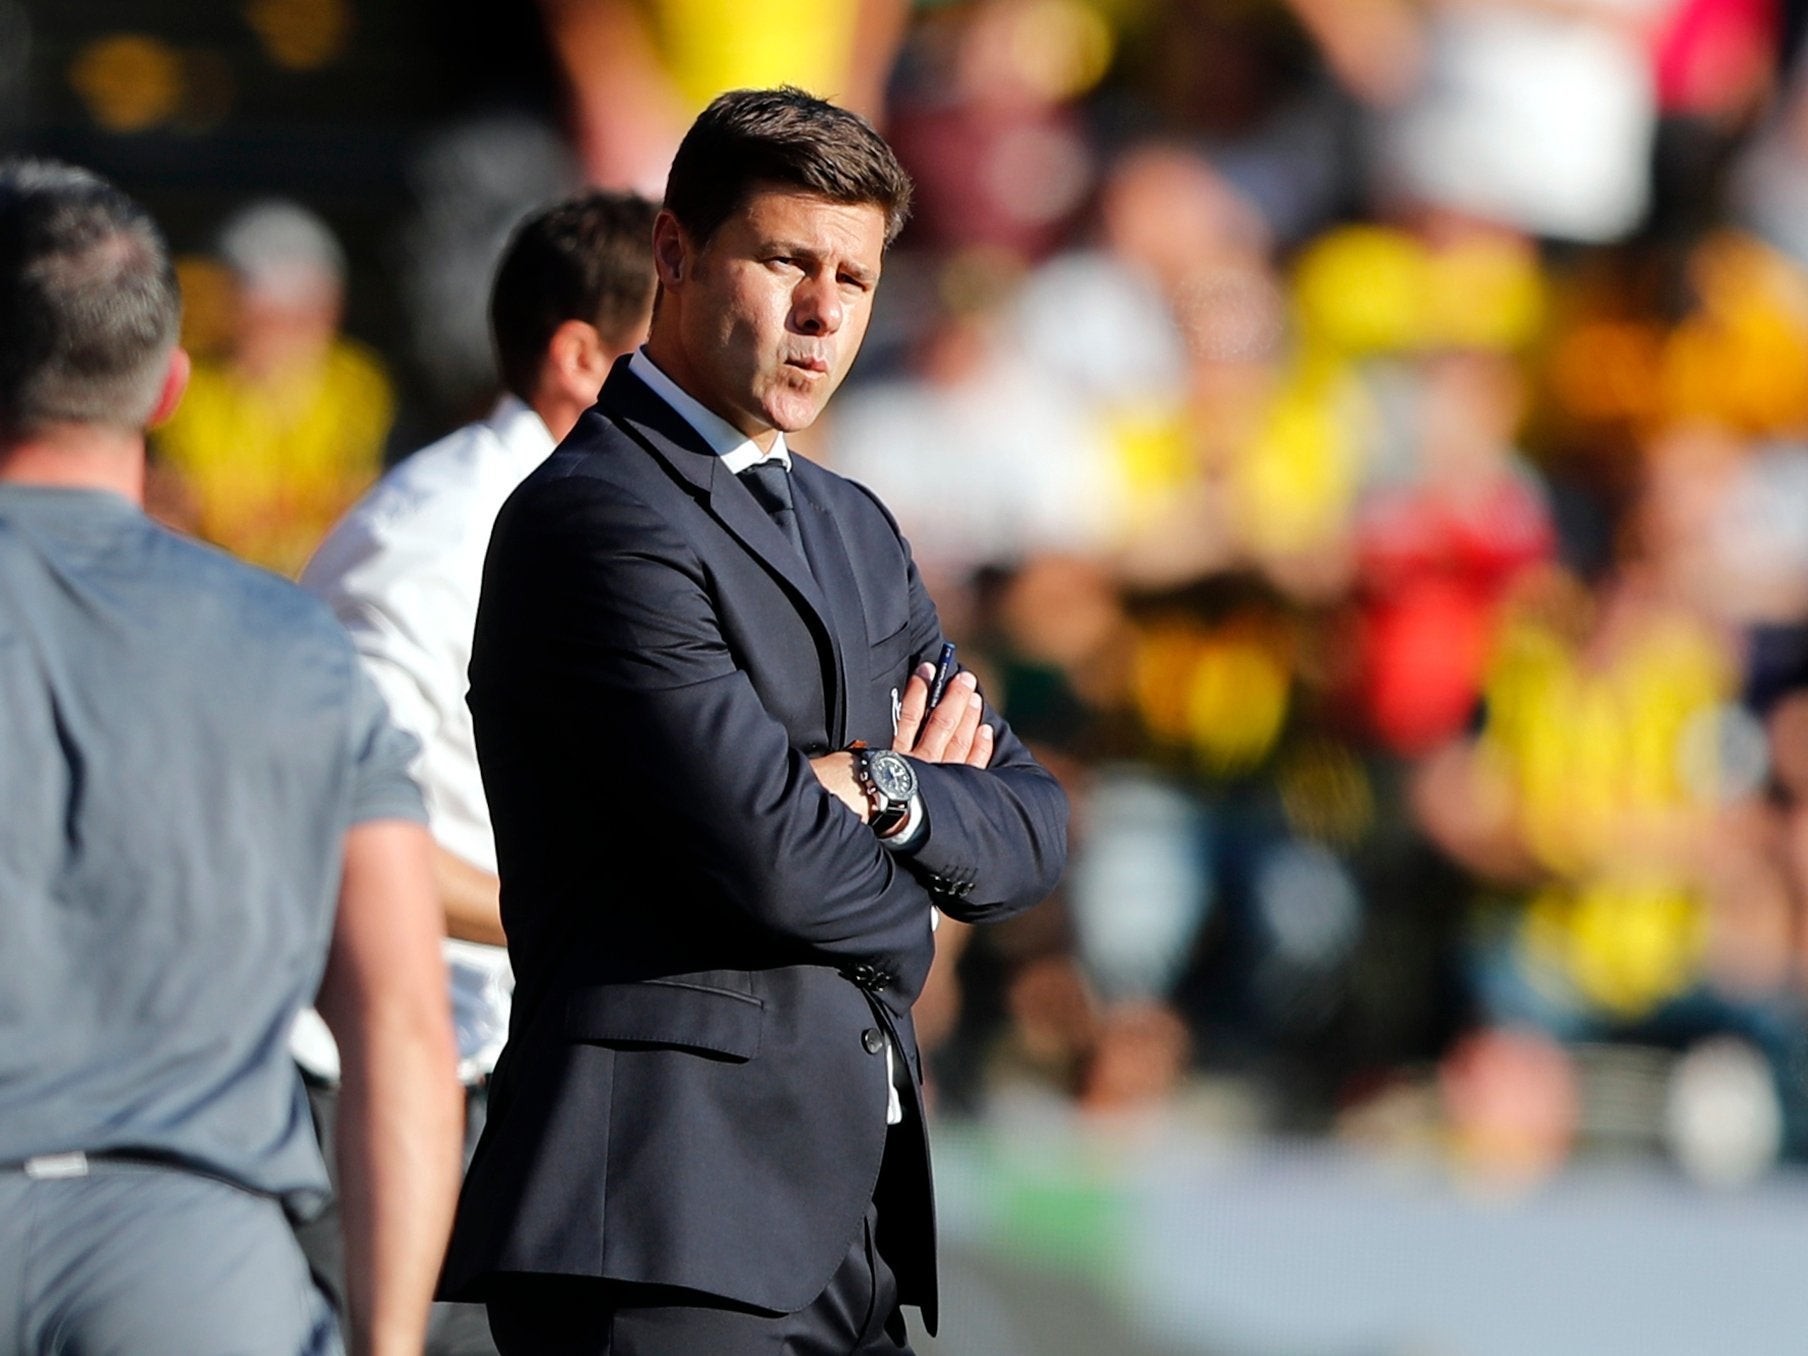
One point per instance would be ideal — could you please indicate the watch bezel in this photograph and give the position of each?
(891, 775)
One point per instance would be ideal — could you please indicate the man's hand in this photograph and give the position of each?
(836, 772)
(953, 732)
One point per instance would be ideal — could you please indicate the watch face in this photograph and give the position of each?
(891, 774)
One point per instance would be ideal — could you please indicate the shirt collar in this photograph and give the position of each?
(736, 449)
(519, 427)
(74, 500)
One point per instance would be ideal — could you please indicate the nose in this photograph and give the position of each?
(816, 307)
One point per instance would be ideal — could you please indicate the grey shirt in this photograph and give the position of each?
(184, 742)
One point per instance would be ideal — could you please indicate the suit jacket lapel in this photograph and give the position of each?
(829, 558)
(663, 432)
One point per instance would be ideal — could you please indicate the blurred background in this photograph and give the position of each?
(1363, 445)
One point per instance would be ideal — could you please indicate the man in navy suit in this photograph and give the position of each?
(726, 815)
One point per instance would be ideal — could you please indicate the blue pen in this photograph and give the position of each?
(944, 670)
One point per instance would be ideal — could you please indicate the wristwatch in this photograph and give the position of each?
(890, 786)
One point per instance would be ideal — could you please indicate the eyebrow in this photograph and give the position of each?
(792, 249)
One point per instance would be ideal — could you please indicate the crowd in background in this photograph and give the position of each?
(1363, 445)
(1378, 479)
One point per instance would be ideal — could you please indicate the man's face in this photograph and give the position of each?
(768, 315)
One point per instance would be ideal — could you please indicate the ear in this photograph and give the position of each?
(578, 359)
(175, 382)
(671, 249)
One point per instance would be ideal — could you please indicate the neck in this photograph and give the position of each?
(77, 457)
(666, 352)
(668, 356)
(562, 391)
(557, 412)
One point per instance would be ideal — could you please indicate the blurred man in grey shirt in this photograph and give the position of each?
(207, 818)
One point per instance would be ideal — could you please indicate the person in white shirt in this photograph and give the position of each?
(401, 570)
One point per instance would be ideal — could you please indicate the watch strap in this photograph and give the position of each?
(883, 815)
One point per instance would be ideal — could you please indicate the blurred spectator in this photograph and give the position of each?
(1769, 178)
(984, 116)
(1610, 792)
(1035, 474)
(470, 183)
(1592, 782)
(1263, 89)
(252, 837)
(1512, 1103)
(1381, 433)
(1440, 546)
(1427, 329)
(1139, 892)
(1534, 115)
(636, 72)
(282, 430)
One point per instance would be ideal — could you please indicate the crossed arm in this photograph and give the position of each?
(615, 615)
(952, 733)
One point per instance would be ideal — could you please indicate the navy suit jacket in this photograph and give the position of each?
(707, 945)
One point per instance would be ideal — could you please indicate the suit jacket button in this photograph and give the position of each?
(873, 1040)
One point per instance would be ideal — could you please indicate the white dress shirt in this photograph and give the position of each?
(402, 571)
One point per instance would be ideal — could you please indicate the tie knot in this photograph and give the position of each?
(770, 471)
(769, 482)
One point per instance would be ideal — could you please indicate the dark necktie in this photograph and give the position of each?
(770, 484)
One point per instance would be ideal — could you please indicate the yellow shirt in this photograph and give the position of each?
(1603, 762)
(715, 45)
(268, 468)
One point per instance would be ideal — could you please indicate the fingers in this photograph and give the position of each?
(960, 744)
(947, 734)
(980, 755)
(911, 710)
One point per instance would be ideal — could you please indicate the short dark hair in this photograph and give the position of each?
(747, 138)
(89, 306)
(588, 257)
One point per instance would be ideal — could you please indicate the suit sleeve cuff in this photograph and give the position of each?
(915, 825)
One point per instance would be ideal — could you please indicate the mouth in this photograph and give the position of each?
(812, 365)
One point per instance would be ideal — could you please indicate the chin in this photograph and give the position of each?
(792, 420)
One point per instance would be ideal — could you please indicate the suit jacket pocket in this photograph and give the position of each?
(668, 1014)
(890, 657)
